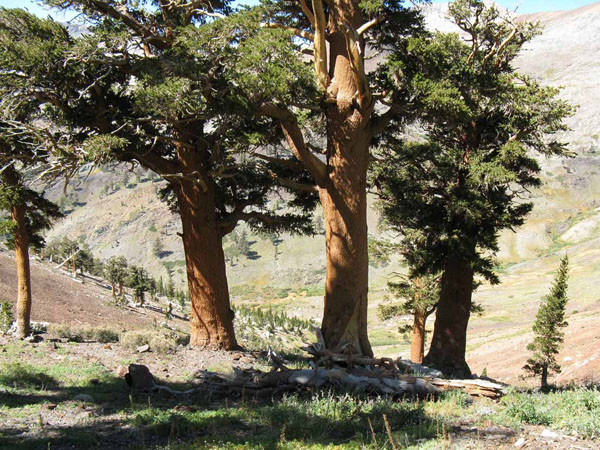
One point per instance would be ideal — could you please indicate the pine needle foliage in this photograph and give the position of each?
(548, 327)
(413, 295)
(465, 174)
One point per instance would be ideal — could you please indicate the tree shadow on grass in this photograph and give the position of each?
(124, 419)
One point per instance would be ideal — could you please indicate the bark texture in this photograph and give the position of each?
(417, 346)
(343, 194)
(449, 341)
(23, 272)
(212, 316)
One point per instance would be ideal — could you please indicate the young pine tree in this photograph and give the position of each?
(418, 297)
(549, 322)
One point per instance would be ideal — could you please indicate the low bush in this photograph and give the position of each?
(575, 409)
(84, 333)
(158, 341)
(6, 316)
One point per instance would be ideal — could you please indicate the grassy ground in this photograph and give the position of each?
(39, 410)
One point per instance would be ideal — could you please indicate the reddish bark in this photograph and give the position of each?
(343, 194)
(417, 346)
(212, 316)
(23, 271)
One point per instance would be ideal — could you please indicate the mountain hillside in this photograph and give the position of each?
(128, 219)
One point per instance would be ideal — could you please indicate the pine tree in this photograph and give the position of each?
(139, 281)
(549, 322)
(451, 191)
(242, 244)
(115, 271)
(23, 154)
(157, 248)
(419, 297)
(333, 115)
(148, 85)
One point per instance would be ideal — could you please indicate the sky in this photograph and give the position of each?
(525, 6)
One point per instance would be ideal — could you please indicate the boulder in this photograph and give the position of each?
(138, 376)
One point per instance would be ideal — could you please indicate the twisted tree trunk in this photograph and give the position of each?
(449, 341)
(343, 194)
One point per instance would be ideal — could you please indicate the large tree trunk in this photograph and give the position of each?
(23, 271)
(212, 316)
(449, 341)
(343, 195)
(417, 346)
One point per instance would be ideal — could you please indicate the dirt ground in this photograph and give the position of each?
(60, 299)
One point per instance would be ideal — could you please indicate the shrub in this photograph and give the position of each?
(84, 333)
(159, 342)
(6, 316)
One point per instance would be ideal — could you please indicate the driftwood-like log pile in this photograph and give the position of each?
(330, 371)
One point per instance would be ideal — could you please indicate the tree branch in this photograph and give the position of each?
(298, 32)
(294, 185)
(289, 163)
(368, 25)
(122, 13)
(365, 98)
(307, 12)
(320, 45)
(295, 140)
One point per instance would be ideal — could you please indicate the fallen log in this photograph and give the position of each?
(475, 388)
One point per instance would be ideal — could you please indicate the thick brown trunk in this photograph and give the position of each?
(417, 346)
(449, 341)
(211, 313)
(113, 289)
(23, 271)
(120, 292)
(343, 197)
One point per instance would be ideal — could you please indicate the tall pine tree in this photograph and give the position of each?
(451, 190)
(148, 85)
(24, 154)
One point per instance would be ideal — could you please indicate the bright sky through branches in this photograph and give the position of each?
(525, 6)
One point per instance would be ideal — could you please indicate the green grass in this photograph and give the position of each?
(310, 420)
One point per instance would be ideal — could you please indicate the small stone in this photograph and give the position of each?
(108, 347)
(84, 398)
(143, 348)
(50, 406)
(549, 434)
(520, 442)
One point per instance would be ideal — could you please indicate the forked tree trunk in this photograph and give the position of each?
(120, 291)
(417, 346)
(212, 316)
(449, 341)
(343, 196)
(23, 271)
